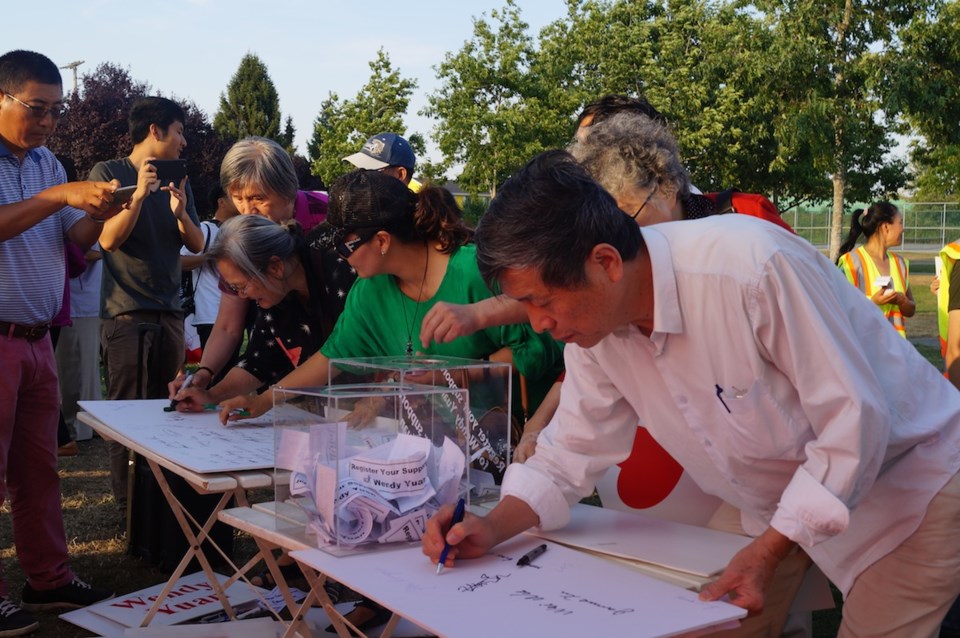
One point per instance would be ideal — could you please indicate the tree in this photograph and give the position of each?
(829, 62)
(204, 153)
(342, 127)
(491, 106)
(94, 128)
(925, 83)
(94, 125)
(700, 63)
(288, 135)
(250, 105)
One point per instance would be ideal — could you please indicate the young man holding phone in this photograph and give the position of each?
(141, 258)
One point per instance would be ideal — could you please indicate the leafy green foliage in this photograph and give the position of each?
(250, 105)
(925, 83)
(938, 172)
(829, 59)
(342, 126)
(492, 106)
(702, 64)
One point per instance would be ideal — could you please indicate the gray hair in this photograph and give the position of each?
(630, 150)
(257, 160)
(548, 217)
(250, 242)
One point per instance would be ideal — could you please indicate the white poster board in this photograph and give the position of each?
(687, 548)
(195, 440)
(192, 597)
(562, 593)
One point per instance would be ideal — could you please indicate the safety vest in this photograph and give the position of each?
(860, 270)
(948, 255)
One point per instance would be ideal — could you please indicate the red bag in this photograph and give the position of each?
(733, 201)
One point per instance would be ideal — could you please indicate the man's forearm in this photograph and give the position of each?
(510, 517)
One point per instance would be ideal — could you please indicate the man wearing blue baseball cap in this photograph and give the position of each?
(388, 153)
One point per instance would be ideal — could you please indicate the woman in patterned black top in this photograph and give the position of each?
(299, 286)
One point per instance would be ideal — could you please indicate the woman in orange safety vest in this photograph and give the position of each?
(880, 274)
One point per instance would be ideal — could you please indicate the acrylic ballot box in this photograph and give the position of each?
(368, 464)
(487, 426)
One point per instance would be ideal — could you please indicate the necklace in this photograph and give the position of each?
(410, 325)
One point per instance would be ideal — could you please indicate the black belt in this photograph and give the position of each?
(30, 333)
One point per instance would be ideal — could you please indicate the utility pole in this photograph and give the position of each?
(73, 66)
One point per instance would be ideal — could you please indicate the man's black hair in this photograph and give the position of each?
(153, 110)
(19, 67)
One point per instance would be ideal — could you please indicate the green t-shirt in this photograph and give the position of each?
(379, 319)
(144, 272)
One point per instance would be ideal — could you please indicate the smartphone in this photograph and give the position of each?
(170, 170)
(122, 195)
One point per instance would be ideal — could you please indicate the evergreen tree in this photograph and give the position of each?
(289, 133)
(250, 105)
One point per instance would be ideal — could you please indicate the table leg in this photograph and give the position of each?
(194, 541)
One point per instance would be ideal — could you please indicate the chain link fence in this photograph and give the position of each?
(927, 226)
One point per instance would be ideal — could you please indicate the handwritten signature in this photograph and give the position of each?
(484, 581)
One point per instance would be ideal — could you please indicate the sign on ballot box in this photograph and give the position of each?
(487, 425)
(369, 463)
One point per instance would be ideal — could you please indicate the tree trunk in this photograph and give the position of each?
(836, 219)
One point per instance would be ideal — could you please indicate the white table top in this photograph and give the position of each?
(136, 436)
(564, 592)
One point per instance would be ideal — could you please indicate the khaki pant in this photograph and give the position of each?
(908, 592)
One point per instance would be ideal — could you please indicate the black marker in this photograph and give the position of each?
(530, 556)
(173, 402)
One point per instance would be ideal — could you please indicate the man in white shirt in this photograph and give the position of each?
(758, 368)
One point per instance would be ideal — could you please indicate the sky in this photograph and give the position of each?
(191, 48)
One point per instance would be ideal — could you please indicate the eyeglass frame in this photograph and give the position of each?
(346, 248)
(645, 202)
(38, 112)
(240, 291)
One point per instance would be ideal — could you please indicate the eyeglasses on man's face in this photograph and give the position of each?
(39, 112)
(346, 247)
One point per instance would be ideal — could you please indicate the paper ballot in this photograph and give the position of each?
(382, 490)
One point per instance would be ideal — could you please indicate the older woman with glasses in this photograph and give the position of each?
(286, 275)
(260, 178)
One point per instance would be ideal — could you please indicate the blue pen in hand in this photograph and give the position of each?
(457, 518)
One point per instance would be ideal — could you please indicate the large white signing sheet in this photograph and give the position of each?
(564, 592)
(195, 440)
